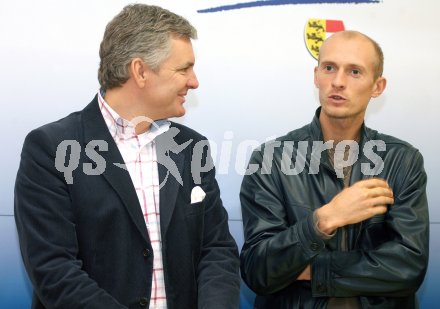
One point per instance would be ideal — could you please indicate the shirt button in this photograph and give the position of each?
(314, 246)
(143, 302)
(146, 252)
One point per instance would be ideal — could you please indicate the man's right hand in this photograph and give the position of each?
(361, 201)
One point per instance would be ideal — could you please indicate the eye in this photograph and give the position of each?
(355, 72)
(328, 68)
(184, 70)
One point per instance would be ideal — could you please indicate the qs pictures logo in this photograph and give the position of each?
(317, 30)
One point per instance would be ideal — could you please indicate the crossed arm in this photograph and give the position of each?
(275, 253)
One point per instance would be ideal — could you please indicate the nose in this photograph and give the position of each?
(339, 81)
(193, 82)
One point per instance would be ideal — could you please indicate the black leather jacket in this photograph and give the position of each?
(387, 254)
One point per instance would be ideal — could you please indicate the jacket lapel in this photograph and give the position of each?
(95, 128)
(169, 185)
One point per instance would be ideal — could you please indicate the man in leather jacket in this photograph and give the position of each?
(335, 214)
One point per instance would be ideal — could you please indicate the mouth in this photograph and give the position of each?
(182, 96)
(336, 98)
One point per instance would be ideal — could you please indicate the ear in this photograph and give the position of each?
(315, 78)
(139, 72)
(379, 87)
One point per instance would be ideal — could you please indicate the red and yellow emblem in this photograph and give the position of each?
(317, 30)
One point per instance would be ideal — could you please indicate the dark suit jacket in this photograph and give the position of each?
(85, 244)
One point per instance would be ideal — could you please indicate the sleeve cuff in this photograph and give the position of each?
(312, 244)
(321, 278)
(318, 232)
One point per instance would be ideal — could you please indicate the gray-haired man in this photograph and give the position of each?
(102, 220)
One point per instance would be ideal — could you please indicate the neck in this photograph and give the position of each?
(124, 101)
(340, 129)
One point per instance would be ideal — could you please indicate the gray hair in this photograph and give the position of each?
(138, 31)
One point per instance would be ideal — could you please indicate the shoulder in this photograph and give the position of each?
(388, 139)
(394, 147)
(276, 145)
(68, 127)
(402, 162)
(300, 134)
(54, 132)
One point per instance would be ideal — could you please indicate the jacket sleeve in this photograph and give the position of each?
(46, 230)
(274, 254)
(397, 266)
(218, 268)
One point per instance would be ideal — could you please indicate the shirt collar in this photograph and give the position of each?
(124, 129)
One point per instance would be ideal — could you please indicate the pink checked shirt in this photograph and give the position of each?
(139, 154)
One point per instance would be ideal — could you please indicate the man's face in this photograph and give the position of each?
(168, 87)
(345, 77)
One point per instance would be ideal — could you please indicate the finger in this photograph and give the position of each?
(378, 210)
(373, 182)
(379, 191)
(380, 201)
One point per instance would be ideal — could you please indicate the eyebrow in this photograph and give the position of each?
(186, 65)
(350, 65)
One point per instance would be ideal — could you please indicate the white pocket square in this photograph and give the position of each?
(197, 195)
